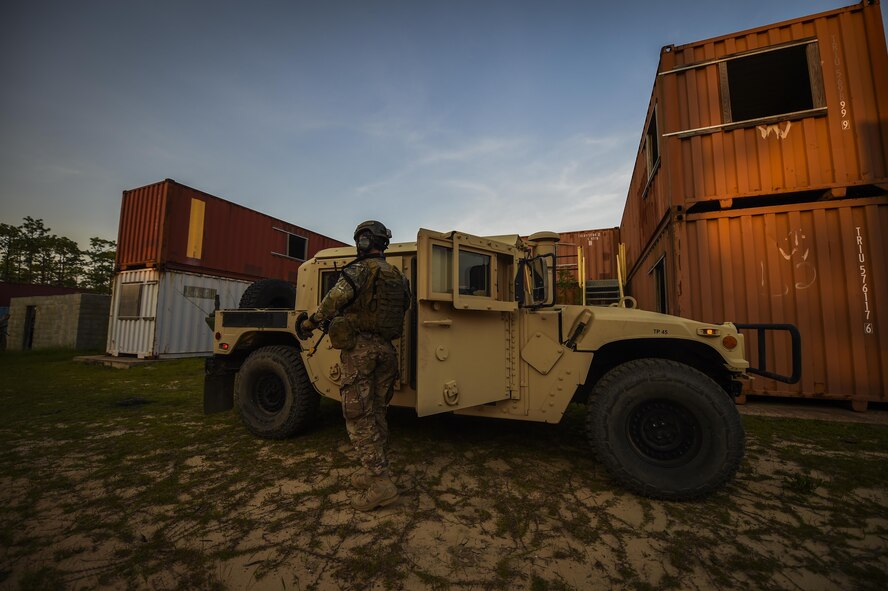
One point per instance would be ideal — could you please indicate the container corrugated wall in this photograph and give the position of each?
(599, 251)
(695, 155)
(135, 334)
(171, 311)
(171, 226)
(184, 301)
(139, 235)
(841, 144)
(820, 266)
(659, 259)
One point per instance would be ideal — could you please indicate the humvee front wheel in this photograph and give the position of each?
(273, 395)
(665, 430)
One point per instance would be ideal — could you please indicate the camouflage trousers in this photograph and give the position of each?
(369, 371)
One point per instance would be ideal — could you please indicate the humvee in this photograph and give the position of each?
(485, 337)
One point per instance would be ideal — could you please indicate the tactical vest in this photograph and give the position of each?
(380, 306)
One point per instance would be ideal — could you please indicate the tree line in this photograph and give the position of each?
(31, 253)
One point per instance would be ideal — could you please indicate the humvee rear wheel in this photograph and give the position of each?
(665, 430)
(273, 395)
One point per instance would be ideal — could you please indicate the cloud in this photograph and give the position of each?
(504, 185)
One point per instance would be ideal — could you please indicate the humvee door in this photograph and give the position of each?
(466, 321)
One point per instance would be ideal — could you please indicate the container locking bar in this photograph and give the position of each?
(762, 369)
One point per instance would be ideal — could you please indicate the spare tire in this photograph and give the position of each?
(269, 293)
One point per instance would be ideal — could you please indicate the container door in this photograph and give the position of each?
(466, 321)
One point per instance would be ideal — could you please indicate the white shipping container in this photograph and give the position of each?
(161, 314)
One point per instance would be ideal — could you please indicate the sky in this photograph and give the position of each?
(486, 116)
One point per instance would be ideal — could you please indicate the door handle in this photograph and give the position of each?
(447, 322)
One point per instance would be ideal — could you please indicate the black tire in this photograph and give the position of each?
(269, 293)
(273, 395)
(665, 430)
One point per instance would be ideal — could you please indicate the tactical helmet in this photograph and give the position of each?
(379, 234)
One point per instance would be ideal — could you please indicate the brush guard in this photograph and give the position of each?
(762, 369)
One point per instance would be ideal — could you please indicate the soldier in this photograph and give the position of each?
(365, 311)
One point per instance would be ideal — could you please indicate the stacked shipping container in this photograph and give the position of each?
(759, 193)
(178, 249)
(170, 226)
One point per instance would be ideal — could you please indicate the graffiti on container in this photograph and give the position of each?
(794, 251)
(864, 286)
(840, 85)
(766, 130)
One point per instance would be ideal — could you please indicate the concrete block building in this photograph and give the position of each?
(74, 321)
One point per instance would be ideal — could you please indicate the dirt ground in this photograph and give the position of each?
(813, 409)
(486, 507)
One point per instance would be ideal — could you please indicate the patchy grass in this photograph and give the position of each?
(115, 478)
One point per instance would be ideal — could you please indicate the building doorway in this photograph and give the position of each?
(30, 321)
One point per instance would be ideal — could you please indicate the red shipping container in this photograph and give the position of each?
(168, 225)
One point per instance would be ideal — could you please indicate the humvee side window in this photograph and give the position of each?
(442, 269)
(328, 280)
(474, 274)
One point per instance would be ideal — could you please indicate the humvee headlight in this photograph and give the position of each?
(223, 346)
(707, 332)
(218, 336)
(730, 342)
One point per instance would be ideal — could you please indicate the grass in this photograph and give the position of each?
(115, 478)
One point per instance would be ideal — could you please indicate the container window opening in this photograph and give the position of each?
(297, 247)
(653, 144)
(130, 303)
(768, 84)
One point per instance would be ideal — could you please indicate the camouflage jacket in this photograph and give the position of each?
(354, 280)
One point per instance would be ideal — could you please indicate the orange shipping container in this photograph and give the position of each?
(167, 225)
(820, 266)
(599, 249)
(789, 112)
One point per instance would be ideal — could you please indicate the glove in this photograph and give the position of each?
(305, 326)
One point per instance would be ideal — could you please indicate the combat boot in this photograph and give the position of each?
(381, 492)
(362, 479)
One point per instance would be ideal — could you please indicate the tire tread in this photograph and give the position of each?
(306, 400)
(600, 408)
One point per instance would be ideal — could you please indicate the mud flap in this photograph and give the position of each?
(218, 387)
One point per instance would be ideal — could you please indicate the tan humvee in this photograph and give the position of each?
(484, 337)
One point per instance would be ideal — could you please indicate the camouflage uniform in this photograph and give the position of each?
(369, 372)
(370, 368)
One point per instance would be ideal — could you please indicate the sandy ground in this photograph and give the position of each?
(467, 519)
(821, 410)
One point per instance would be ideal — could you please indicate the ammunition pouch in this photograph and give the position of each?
(342, 334)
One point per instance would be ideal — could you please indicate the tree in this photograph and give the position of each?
(10, 254)
(34, 239)
(68, 261)
(99, 265)
(29, 253)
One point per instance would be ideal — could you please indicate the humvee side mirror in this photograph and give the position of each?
(534, 284)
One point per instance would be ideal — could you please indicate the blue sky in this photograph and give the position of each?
(490, 117)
